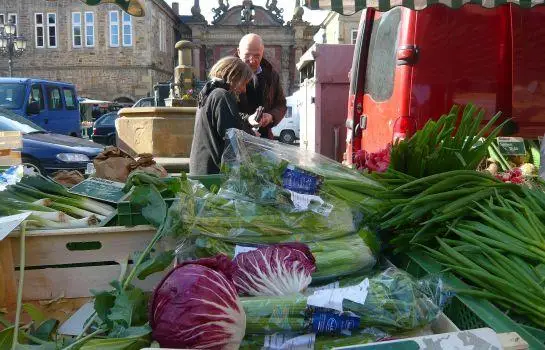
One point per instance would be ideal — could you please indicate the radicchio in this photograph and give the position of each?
(196, 306)
(280, 269)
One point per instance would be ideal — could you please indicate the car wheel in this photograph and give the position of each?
(31, 165)
(112, 140)
(287, 136)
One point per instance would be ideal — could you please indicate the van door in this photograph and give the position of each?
(55, 110)
(528, 71)
(36, 95)
(386, 85)
(71, 116)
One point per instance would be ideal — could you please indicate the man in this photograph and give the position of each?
(265, 89)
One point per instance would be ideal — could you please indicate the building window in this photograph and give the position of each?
(89, 29)
(2, 18)
(162, 44)
(13, 18)
(114, 28)
(52, 30)
(353, 36)
(39, 30)
(76, 29)
(127, 29)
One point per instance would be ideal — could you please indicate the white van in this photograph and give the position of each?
(287, 130)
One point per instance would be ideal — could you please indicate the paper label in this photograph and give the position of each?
(333, 298)
(303, 201)
(243, 249)
(331, 322)
(90, 169)
(300, 181)
(287, 342)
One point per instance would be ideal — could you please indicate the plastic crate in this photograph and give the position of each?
(468, 312)
(129, 214)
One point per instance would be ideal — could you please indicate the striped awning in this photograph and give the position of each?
(348, 7)
(132, 7)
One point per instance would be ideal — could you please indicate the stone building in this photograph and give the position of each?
(108, 54)
(338, 29)
(284, 42)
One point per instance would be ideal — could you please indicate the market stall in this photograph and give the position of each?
(285, 247)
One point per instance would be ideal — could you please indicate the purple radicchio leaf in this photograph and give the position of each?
(196, 306)
(279, 269)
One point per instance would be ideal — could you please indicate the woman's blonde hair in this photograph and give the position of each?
(232, 70)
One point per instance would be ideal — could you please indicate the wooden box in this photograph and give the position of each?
(68, 263)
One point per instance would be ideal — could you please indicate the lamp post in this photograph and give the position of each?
(11, 45)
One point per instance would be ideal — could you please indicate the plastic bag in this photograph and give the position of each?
(334, 257)
(268, 172)
(396, 301)
(239, 221)
(391, 301)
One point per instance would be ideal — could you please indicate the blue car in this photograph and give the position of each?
(104, 129)
(48, 152)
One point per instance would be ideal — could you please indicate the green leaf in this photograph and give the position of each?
(135, 343)
(46, 329)
(6, 338)
(156, 264)
(154, 208)
(46, 346)
(123, 332)
(35, 314)
(129, 308)
(104, 301)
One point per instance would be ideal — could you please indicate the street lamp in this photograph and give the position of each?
(11, 45)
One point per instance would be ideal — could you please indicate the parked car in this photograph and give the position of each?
(145, 102)
(48, 152)
(104, 129)
(410, 66)
(287, 130)
(52, 105)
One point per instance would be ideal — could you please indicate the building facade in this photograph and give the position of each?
(284, 42)
(338, 29)
(106, 53)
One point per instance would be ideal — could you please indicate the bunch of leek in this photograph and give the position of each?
(51, 205)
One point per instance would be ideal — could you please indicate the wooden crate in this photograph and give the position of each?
(56, 267)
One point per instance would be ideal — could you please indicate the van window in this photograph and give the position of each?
(37, 95)
(381, 63)
(288, 113)
(69, 98)
(54, 97)
(12, 95)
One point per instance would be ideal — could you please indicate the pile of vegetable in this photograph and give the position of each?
(50, 204)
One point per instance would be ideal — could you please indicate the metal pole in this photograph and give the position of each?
(10, 57)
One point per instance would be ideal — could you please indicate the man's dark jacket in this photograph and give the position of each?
(217, 112)
(268, 93)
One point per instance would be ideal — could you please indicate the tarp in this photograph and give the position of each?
(348, 7)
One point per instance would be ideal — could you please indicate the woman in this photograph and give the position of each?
(217, 111)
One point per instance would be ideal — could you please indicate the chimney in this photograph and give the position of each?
(176, 7)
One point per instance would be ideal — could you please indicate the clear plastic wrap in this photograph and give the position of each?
(239, 221)
(391, 301)
(397, 302)
(334, 257)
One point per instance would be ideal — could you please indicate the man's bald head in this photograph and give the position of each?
(250, 49)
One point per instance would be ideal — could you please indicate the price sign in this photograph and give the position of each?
(512, 146)
(101, 189)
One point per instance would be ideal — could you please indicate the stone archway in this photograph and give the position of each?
(124, 100)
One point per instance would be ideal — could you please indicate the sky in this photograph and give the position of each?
(316, 17)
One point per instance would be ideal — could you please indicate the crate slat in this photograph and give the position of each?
(75, 282)
(54, 249)
(8, 289)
